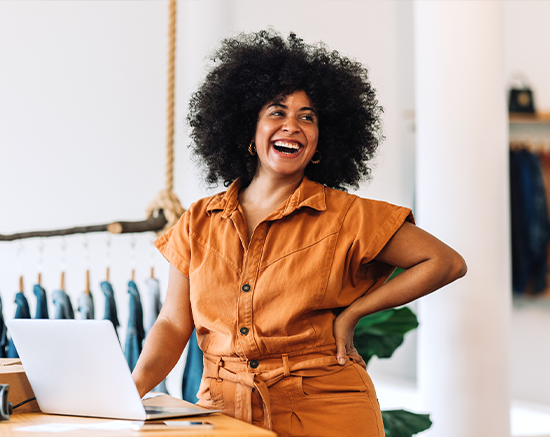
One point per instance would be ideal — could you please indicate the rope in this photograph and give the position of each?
(166, 199)
(170, 205)
(170, 103)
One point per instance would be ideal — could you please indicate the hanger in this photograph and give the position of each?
(19, 253)
(63, 258)
(86, 245)
(108, 241)
(133, 256)
(153, 250)
(40, 259)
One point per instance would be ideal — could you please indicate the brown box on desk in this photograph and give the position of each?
(12, 373)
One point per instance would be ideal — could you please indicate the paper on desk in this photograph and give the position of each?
(152, 394)
(112, 425)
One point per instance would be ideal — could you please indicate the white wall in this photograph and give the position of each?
(526, 39)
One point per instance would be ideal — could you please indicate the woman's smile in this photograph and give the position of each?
(289, 148)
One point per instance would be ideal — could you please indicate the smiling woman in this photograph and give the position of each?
(276, 272)
(252, 71)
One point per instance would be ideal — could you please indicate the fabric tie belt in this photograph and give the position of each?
(269, 371)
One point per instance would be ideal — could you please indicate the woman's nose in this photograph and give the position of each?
(290, 126)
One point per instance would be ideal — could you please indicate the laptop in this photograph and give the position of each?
(77, 368)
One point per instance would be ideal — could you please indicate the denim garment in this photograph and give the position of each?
(21, 312)
(192, 373)
(135, 333)
(154, 305)
(63, 305)
(3, 334)
(110, 304)
(41, 302)
(530, 227)
(86, 306)
(151, 315)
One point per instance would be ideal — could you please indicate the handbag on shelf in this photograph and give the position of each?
(520, 97)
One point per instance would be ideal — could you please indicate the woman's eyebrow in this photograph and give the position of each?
(307, 108)
(280, 105)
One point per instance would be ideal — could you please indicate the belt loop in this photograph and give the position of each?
(219, 364)
(286, 369)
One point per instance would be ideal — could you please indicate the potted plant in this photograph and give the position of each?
(380, 334)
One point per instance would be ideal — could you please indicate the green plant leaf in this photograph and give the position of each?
(380, 334)
(402, 423)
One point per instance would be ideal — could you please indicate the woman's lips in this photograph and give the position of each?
(288, 148)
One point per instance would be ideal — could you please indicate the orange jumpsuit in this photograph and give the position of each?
(264, 309)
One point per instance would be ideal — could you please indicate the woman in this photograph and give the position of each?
(276, 272)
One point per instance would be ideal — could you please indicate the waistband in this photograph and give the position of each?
(260, 374)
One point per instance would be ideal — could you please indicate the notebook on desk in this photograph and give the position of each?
(77, 368)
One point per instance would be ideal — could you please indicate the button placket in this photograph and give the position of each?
(250, 272)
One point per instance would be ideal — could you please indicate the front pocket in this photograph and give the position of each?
(346, 382)
(216, 393)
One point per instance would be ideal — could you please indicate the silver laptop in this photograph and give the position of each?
(77, 368)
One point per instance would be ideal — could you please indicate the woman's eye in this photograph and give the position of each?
(308, 117)
(277, 113)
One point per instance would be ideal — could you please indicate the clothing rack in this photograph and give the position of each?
(529, 134)
(154, 223)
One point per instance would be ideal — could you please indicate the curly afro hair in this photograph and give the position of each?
(253, 69)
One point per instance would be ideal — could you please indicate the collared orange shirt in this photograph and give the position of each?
(278, 293)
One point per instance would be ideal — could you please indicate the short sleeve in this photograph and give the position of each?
(174, 245)
(371, 224)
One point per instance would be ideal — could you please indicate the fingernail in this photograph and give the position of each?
(341, 360)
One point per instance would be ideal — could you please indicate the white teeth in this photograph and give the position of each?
(287, 145)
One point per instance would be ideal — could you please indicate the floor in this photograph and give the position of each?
(527, 419)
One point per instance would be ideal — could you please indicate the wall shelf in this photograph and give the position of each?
(537, 118)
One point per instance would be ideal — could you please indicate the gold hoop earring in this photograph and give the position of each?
(318, 160)
(252, 148)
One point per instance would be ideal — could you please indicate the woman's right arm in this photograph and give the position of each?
(168, 336)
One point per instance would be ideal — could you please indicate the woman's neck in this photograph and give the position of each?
(263, 196)
(265, 192)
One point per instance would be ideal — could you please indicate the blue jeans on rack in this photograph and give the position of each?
(135, 333)
(21, 312)
(192, 374)
(41, 302)
(63, 305)
(153, 311)
(3, 334)
(110, 304)
(86, 306)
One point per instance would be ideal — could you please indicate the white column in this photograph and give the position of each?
(462, 198)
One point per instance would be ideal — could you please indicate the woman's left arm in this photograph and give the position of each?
(429, 265)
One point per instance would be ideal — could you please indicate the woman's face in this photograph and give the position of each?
(286, 135)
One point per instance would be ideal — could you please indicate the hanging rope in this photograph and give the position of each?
(170, 97)
(166, 200)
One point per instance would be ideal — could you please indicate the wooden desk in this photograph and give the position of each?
(224, 426)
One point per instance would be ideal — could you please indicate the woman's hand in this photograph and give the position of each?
(343, 328)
